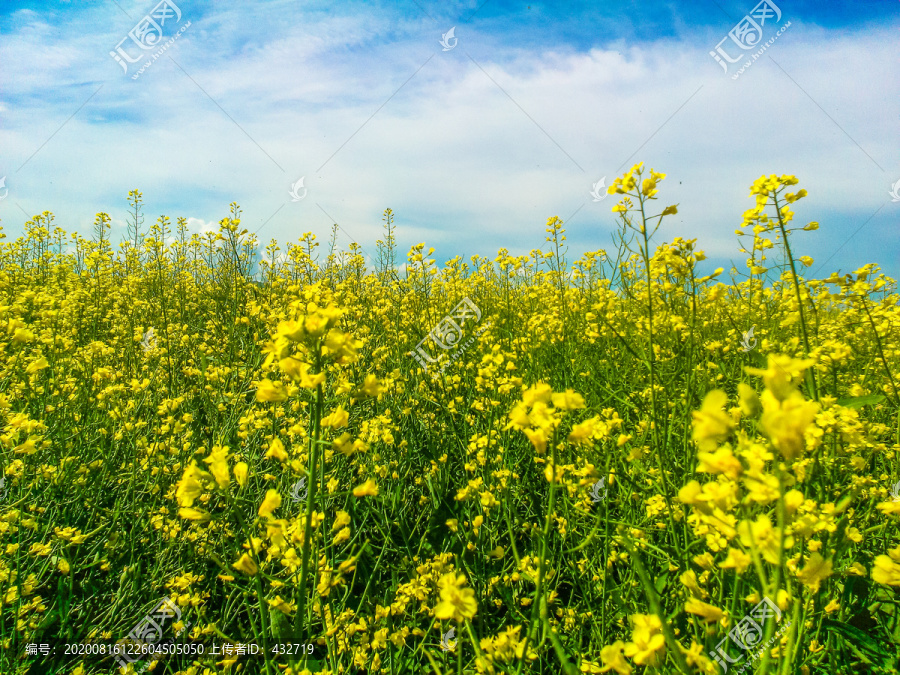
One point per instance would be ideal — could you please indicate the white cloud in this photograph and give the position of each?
(462, 165)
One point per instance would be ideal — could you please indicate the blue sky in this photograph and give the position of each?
(474, 142)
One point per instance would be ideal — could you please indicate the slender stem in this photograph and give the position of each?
(810, 374)
(887, 368)
(310, 500)
(650, 592)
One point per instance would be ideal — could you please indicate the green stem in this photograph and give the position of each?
(650, 592)
(810, 375)
(310, 501)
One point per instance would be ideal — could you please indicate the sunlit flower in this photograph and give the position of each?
(246, 565)
(456, 603)
(712, 425)
(276, 450)
(273, 392)
(367, 489)
(269, 504)
(709, 612)
(647, 642)
(614, 659)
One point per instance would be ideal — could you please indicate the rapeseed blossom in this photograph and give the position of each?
(602, 441)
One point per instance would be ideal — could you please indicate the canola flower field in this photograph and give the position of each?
(519, 465)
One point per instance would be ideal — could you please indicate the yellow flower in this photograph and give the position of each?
(780, 374)
(292, 330)
(273, 392)
(736, 560)
(193, 514)
(613, 659)
(518, 417)
(271, 502)
(497, 553)
(456, 603)
(582, 432)
(540, 392)
(40, 549)
(218, 465)
(246, 565)
(762, 488)
(886, 569)
(889, 508)
(308, 381)
(709, 612)
(371, 386)
(712, 425)
(647, 642)
(720, 461)
(276, 450)
(816, 569)
(697, 659)
(367, 489)
(22, 335)
(856, 570)
(275, 531)
(689, 580)
(337, 419)
(38, 364)
(342, 444)
(240, 473)
(341, 519)
(568, 400)
(342, 346)
(538, 438)
(276, 350)
(191, 485)
(282, 606)
(786, 421)
(763, 537)
(63, 566)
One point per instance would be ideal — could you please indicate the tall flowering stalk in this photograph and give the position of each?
(644, 190)
(769, 191)
(303, 346)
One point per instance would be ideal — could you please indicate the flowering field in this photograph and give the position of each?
(525, 465)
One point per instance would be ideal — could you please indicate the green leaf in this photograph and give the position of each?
(860, 401)
(660, 584)
(862, 643)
